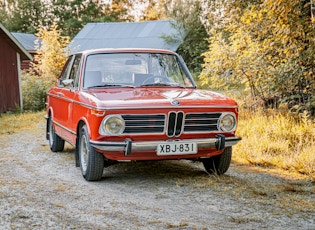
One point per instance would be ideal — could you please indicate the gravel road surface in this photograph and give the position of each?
(44, 190)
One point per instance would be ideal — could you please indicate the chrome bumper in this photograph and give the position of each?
(127, 146)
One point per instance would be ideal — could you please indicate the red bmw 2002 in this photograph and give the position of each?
(135, 105)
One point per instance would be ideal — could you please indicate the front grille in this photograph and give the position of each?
(176, 123)
(201, 122)
(144, 123)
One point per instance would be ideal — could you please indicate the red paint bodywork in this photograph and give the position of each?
(70, 108)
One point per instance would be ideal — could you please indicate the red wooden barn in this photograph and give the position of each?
(12, 53)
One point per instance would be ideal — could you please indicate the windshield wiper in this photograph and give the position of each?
(110, 85)
(163, 84)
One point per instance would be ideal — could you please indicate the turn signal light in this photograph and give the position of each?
(98, 113)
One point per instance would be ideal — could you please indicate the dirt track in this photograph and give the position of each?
(44, 190)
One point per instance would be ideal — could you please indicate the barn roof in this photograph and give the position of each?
(27, 40)
(147, 34)
(14, 43)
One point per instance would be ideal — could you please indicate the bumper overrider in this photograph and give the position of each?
(219, 142)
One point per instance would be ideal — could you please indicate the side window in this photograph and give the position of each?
(66, 69)
(74, 74)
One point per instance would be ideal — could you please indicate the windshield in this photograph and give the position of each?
(135, 70)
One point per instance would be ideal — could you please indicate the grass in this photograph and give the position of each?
(16, 122)
(277, 140)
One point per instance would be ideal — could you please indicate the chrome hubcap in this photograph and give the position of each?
(51, 133)
(84, 152)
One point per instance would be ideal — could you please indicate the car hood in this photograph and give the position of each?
(155, 97)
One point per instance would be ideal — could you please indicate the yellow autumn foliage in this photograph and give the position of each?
(51, 52)
(266, 46)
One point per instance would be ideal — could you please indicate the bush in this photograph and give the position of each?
(34, 90)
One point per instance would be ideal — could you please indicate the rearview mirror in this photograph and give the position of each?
(133, 62)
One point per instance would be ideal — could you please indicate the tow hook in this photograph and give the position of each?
(220, 144)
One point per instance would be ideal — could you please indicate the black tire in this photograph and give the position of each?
(56, 143)
(218, 164)
(91, 161)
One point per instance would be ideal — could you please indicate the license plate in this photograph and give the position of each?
(177, 148)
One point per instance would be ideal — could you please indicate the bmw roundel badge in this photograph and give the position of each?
(174, 102)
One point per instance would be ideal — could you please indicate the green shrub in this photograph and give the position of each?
(34, 90)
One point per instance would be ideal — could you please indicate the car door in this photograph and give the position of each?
(65, 91)
(73, 79)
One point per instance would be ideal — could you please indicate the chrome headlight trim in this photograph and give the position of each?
(112, 125)
(227, 122)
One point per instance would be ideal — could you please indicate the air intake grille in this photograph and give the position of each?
(201, 122)
(176, 123)
(144, 123)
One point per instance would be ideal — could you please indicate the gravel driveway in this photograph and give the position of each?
(44, 190)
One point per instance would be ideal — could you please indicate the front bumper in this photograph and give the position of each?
(219, 142)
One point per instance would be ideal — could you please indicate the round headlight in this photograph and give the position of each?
(113, 125)
(227, 122)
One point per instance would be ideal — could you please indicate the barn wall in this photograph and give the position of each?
(9, 82)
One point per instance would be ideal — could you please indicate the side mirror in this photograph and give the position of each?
(67, 82)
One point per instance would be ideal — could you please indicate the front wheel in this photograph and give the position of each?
(55, 142)
(218, 164)
(91, 161)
